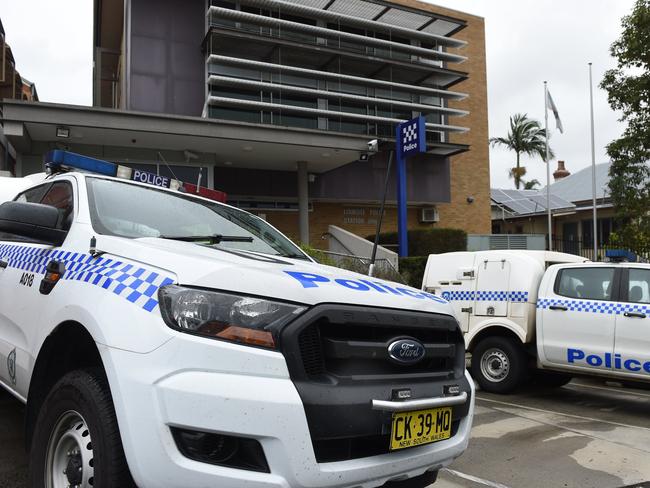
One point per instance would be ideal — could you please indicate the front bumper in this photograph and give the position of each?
(216, 387)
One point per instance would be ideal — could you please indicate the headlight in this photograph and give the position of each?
(236, 318)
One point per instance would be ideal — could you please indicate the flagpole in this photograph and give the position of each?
(593, 164)
(548, 172)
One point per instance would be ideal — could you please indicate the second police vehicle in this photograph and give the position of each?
(546, 314)
(161, 339)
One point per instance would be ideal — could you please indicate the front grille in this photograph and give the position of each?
(355, 351)
(339, 361)
(311, 351)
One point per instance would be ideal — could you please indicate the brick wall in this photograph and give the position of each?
(470, 172)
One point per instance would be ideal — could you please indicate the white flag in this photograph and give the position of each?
(550, 105)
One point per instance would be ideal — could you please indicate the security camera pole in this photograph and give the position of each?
(410, 140)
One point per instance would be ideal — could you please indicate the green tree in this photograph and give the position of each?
(526, 136)
(531, 185)
(628, 88)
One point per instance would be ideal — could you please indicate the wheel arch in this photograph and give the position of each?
(494, 330)
(68, 347)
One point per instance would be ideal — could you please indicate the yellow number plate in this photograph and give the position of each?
(421, 427)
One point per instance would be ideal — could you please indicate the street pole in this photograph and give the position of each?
(402, 214)
(593, 164)
(548, 172)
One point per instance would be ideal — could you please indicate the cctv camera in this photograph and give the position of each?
(373, 146)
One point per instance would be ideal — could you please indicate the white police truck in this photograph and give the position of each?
(160, 339)
(546, 314)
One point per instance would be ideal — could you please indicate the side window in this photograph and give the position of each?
(585, 283)
(60, 197)
(33, 195)
(638, 288)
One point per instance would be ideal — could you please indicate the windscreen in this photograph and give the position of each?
(133, 211)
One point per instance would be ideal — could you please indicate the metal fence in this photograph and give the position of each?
(586, 250)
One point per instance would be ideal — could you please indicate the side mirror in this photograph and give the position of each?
(32, 221)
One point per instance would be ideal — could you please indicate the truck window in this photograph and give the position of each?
(638, 289)
(33, 195)
(585, 283)
(60, 197)
(133, 211)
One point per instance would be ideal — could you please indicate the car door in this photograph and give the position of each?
(579, 317)
(632, 343)
(19, 286)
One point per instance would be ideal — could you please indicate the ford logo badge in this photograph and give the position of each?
(406, 351)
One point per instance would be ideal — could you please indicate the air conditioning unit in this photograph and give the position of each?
(429, 215)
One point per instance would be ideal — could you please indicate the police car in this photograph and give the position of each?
(547, 314)
(161, 339)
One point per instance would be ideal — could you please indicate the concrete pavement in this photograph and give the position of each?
(584, 435)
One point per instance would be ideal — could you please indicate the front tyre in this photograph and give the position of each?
(76, 438)
(499, 364)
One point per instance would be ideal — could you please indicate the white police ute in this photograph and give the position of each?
(547, 315)
(160, 339)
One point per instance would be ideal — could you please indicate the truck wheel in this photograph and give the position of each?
(551, 379)
(498, 364)
(76, 438)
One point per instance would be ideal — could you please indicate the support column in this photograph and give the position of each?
(303, 202)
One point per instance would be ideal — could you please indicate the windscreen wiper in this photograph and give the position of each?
(213, 239)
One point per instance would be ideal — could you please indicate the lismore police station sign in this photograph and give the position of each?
(411, 137)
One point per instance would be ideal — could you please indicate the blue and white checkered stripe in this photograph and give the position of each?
(486, 296)
(610, 308)
(128, 281)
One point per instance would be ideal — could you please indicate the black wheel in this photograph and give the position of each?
(499, 364)
(76, 439)
(551, 379)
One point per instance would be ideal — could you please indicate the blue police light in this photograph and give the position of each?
(620, 255)
(58, 158)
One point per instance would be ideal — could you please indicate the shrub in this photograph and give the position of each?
(412, 269)
(423, 242)
(317, 255)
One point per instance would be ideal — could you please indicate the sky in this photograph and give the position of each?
(527, 42)
(530, 41)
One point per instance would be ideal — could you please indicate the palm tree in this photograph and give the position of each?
(526, 136)
(531, 185)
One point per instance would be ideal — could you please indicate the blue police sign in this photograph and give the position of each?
(412, 137)
(410, 140)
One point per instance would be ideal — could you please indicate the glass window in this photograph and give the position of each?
(179, 216)
(638, 290)
(33, 195)
(58, 195)
(586, 283)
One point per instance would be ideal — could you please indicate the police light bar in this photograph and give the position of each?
(620, 255)
(57, 161)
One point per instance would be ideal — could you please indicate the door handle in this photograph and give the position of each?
(3, 264)
(638, 315)
(558, 307)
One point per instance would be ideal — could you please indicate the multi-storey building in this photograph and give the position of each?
(13, 87)
(275, 101)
